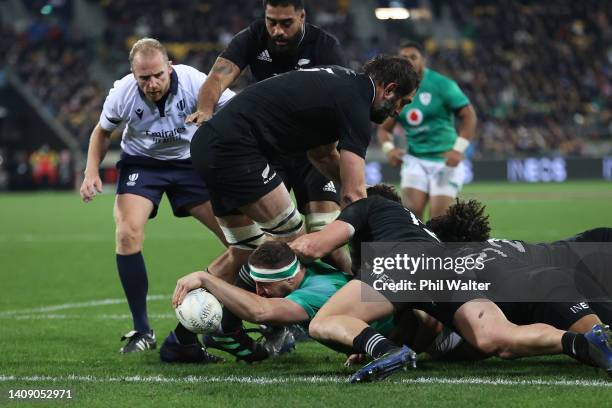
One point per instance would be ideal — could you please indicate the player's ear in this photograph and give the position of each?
(302, 14)
(389, 89)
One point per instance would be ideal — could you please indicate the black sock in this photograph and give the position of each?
(133, 275)
(373, 343)
(184, 336)
(576, 346)
(230, 322)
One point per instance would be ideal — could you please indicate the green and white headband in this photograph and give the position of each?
(274, 275)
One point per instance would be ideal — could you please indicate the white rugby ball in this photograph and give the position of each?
(200, 312)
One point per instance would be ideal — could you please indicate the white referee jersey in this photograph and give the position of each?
(152, 131)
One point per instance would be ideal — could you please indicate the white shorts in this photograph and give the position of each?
(432, 177)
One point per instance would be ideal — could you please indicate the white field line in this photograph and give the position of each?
(124, 316)
(42, 238)
(303, 380)
(65, 306)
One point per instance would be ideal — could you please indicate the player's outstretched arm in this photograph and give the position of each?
(98, 146)
(384, 133)
(246, 305)
(221, 76)
(316, 245)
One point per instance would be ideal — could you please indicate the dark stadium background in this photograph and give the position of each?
(540, 77)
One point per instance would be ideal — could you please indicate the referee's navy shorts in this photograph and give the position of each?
(183, 186)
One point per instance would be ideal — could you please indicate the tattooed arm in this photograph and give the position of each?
(221, 76)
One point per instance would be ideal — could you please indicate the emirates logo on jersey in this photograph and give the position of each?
(414, 117)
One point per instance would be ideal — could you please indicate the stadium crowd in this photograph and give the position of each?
(54, 64)
(543, 83)
(544, 87)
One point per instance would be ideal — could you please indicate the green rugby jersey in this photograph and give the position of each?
(320, 283)
(429, 121)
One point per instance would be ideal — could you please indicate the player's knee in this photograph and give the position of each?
(487, 345)
(317, 221)
(246, 238)
(128, 238)
(286, 225)
(497, 345)
(316, 328)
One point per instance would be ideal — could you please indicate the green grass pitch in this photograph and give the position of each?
(62, 313)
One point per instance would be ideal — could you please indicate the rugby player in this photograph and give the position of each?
(276, 290)
(482, 323)
(153, 102)
(324, 111)
(282, 42)
(468, 222)
(432, 169)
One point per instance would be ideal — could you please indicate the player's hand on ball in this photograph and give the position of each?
(453, 158)
(396, 157)
(91, 186)
(197, 118)
(185, 285)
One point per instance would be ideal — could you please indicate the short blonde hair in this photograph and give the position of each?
(147, 46)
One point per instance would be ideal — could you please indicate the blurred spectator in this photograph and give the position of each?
(56, 68)
(540, 76)
(44, 162)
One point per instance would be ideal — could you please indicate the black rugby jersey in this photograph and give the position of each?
(377, 219)
(299, 110)
(250, 47)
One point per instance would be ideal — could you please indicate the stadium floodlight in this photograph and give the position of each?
(391, 13)
(401, 10)
(393, 9)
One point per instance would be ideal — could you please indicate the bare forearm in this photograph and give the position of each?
(209, 95)
(318, 244)
(222, 75)
(384, 131)
(383, 135)
(467, 128)
(98, 146)
(352, 173)
(329, 166)
(246, 305)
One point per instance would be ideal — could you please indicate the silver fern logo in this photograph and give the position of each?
(265, 173)
(132, 179)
